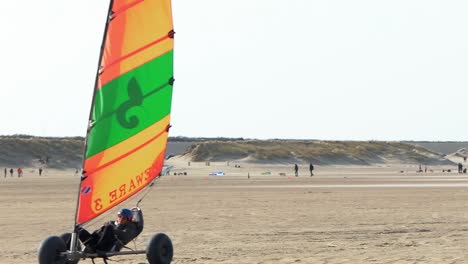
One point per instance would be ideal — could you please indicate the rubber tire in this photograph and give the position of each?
(49, 250)
(159, 249)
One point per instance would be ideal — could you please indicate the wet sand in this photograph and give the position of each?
(341, 215)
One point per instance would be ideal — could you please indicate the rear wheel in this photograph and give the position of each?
(50, 249)
(159, 249)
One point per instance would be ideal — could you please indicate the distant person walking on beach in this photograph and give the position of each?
(20, 172)
(11, 172)
(40, 171)
(296, 170)
(5, 172)
(460, 168)
(311, 169)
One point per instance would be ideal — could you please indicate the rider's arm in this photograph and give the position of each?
(126, 233)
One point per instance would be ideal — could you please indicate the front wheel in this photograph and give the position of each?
(159, 249)
(66, 237)
(50, 249)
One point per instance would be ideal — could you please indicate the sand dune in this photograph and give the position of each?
(61, 153)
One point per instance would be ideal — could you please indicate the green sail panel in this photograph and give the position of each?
(130, 103)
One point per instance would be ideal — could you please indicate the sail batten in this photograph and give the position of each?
(135, 52)
(125, 154)
(125, 146)
(126, 7)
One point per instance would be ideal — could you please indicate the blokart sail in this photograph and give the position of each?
(128, 126)
(130, 112)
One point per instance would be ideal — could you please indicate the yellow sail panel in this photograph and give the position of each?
(106, 187)
(126, 147)
(139, 31)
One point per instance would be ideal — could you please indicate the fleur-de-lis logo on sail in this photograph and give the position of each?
(135, 98)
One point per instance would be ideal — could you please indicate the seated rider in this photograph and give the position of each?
(113, 235)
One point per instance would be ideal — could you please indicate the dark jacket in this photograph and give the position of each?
(126, 232)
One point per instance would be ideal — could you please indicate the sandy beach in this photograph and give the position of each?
(341, 215)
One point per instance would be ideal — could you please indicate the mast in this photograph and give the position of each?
(75, 227)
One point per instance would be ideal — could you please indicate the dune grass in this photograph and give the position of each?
(320, 152)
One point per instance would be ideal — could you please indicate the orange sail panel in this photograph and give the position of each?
(130, 115)
(139, 31)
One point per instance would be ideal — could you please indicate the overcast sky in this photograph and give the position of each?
(324, 69)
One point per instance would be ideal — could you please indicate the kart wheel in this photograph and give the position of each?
(66, 237)
(159, 249)
(50, 249)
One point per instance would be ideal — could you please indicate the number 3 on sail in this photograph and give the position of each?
(128, 126)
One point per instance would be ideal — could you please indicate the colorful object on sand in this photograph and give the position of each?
(130, 113)
(217, 173)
